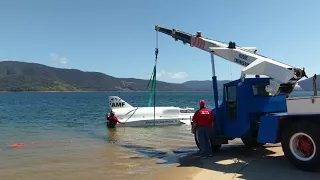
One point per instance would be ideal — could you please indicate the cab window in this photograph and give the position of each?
(259, 89)
(231, 93)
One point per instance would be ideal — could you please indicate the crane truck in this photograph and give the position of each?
(259, 110)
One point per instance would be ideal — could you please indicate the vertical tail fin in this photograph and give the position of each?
(116, 102)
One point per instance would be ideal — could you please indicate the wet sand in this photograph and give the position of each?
(237, 162)
(119, 154)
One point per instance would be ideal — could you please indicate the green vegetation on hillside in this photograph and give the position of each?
(33, 83)
(23, 76)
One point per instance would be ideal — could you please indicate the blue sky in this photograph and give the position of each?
(118, 37)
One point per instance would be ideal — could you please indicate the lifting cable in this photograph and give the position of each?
(154, 81)
(151, 78)
(153, 84)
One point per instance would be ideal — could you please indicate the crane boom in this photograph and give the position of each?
(284, 76)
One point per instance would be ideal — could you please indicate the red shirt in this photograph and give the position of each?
(113, 118)
(203, 117)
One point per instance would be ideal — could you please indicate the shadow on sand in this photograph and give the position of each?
(166, 156)
(236, 161)
(232, 161)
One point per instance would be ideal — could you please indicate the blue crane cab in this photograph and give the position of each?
(239, 114)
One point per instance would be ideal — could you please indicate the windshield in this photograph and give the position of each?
(259, 89)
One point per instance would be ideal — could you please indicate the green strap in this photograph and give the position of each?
(150, 79)
(153, 78)
(152, 86)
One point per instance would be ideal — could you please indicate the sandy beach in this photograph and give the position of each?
(237, 162)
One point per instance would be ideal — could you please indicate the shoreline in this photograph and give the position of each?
(100, 91)
(119, 91)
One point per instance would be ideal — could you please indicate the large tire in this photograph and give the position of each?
(301, 143)
(213, 147)
(251, 142)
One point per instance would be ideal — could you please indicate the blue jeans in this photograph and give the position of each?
(203, 136)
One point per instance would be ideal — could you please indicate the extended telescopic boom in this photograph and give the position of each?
(285, 76)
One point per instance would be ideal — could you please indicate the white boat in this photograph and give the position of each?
(149, 116)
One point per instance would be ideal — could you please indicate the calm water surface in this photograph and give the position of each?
(65, 136)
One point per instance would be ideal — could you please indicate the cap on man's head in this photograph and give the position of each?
(202, 103)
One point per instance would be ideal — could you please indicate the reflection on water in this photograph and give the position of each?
(123, 153)
(112, 135)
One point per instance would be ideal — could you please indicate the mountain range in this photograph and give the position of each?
(25, 76)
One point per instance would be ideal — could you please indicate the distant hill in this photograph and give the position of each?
(307, 84)
(23, 76)
(304, 85)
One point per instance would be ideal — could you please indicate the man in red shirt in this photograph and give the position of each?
(113, 120)
(203, 121)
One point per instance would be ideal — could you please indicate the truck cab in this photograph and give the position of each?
(244, 102)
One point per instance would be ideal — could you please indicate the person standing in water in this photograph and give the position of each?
(113, 120)
(202, 124)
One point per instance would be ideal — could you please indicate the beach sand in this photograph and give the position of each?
(237, 162)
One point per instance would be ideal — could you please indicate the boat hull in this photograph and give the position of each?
(148, 116)
(169, 121)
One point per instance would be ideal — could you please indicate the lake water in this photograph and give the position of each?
(65, 136)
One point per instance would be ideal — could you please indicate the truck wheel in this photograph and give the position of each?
(251, 142)
(214, 147)
(299, 143)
